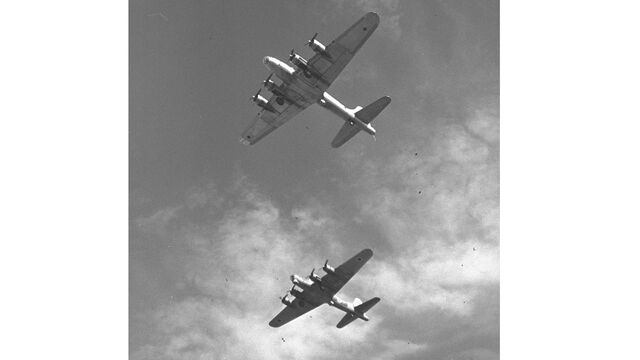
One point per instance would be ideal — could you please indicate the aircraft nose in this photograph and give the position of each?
(265, 60)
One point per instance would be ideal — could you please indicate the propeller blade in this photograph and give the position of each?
(292, 54)
(266, 81)
(312, 271)
(313, 38)
(256, 95)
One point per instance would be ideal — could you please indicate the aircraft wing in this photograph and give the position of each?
(343, 273)
(266, 121)
(297, 308)
(342, 49)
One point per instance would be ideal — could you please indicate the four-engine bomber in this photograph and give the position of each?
(313, 291)
(307, 82)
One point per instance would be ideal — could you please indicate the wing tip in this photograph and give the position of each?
(373, 16)
(367, 252)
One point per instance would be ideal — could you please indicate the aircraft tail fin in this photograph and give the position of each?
(369, 112)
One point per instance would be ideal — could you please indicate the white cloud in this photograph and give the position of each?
(436, 202)
(397, 348)
(437, 210)
(237, 266)
(435, 276)
(485, 123)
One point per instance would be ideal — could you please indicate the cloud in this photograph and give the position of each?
(230, 258)
(428, 277)
(234, 266)
(212, 266)
(435, 200)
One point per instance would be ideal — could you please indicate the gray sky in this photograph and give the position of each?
(217, 227)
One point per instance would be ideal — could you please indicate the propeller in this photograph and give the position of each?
(313, 38)
(284, 299)
(266, 81)
(255, 97)
(312, 272)
(292, 54)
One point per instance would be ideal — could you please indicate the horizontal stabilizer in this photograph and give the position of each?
(346, 320)
(365, 306)
(372, 110)
(360, 309)
(366, 115)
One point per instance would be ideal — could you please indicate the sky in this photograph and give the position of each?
(216, 227)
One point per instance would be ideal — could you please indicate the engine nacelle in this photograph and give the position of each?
(262, 102)
(286, 301)
(319, 48)
(315, 277)
(328, 268)
(275, 89)
(298, 61)
(295, 292)
(301, 63)
(303, 283)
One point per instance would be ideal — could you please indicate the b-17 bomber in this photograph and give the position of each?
(313, 291)
(308, 82)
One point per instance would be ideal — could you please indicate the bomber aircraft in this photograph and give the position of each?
(308, 82)
(316, 290)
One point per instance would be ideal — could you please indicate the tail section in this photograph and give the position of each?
(372, 110)
(346, 320)
(360, 308)
(367, 305)
(365, 115)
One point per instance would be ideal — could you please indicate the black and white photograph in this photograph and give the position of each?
(319, 179)
(278, 146)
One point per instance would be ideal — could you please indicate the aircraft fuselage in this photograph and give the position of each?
(300, 91)
(321, 297)
(346, 306)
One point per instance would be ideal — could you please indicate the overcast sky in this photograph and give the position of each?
(217, 227)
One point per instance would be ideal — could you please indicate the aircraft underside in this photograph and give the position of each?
(305, 82)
